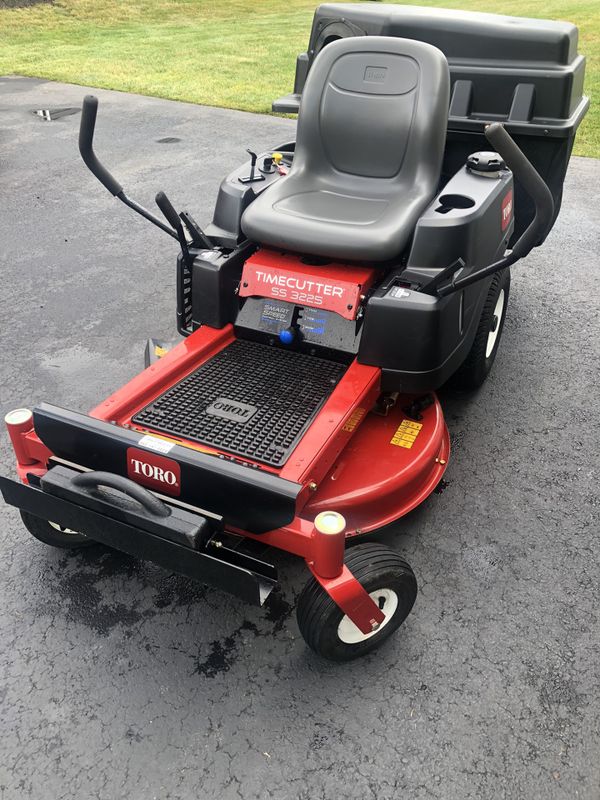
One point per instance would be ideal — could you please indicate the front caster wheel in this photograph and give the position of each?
(54, 534)
(390, 582)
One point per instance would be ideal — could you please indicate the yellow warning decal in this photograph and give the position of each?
(406, 433)
(353, 419)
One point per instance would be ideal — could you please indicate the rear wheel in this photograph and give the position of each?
(477, 365)
(390, 582)
(54, 534)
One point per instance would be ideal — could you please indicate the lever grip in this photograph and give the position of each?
(530, 180)
(86, 138)
(172, 217)
(147, 500)
(536, 188)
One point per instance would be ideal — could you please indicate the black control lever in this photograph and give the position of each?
(531, 181)
(199, 238)
(87, 125)
(536, 188)
(172, 217)
(443, 275)
(253, 158)
(253, 176)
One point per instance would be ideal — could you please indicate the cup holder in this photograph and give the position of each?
(451, 201)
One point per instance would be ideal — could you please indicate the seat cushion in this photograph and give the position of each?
(330, 224)
(328, 206)
(370, 142)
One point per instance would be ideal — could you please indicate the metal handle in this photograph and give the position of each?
(87, 126)
(172, 217)
(89, 110)
(95, 479)
(536, 188)
(530, 180)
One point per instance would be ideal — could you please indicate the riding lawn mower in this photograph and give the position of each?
(345, 277)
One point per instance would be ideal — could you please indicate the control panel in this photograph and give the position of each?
(297, 327)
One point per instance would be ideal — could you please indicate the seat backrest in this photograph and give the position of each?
(374, 115)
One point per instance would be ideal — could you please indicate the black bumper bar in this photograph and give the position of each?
(178, 541)
(248, 499)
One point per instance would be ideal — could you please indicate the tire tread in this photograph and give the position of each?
(474, 370)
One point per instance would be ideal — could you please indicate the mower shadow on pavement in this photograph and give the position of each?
(89, 584)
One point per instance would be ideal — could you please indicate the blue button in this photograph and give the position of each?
(286, 336)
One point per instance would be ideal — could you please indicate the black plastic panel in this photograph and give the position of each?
(313, 330)
(510, 68)
(248, 499)
(129, 538)
(235, 196)
(464, 221)
(215, 277)
(418, 340)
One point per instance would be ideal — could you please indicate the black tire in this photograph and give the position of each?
(45, 532)
(477, 365)
(377, 568)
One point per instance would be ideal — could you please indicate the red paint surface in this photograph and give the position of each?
(328, 553)
(353, 600)
(187, 356)
(18, 433)
(280, 276)
(356, 470)
(347, 453)
(333, 426)
(374, 482)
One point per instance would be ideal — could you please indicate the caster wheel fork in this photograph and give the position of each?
(388, 589)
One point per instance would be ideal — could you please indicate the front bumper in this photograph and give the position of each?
(186, 542)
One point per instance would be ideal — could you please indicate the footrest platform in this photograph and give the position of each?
(251, 400)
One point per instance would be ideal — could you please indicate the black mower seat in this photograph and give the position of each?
(370, 141)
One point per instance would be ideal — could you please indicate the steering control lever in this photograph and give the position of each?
(536, 188)
(89, 111)
(199, 238)
(163, 202)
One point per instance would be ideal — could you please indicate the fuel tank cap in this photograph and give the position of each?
(485, 163)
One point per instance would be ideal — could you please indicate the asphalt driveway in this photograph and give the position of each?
(118, 680)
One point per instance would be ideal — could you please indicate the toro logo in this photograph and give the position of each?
(375, 74)
(231, 409)
(154, 471)
(507, 207)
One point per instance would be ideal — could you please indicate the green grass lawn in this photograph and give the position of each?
(219, 52)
